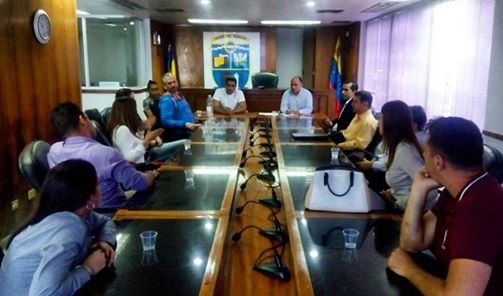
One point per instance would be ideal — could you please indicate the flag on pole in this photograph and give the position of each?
(170, 60)
(336, 76)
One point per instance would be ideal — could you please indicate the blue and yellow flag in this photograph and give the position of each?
(170, 59)
(336, 76)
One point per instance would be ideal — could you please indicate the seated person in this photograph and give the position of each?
(151, 105)
(124, 128)
(176, 116)
(362, 128)
(229, 100)
(297, 100)
(346, 115)
(122, 93)
(375, 168)
(419, 120)
(463, 229)
(112, 168)
(404, 154)
(51, 253)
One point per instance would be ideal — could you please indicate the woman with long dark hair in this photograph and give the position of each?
(403, 150)
(52, 253)
(132, 139)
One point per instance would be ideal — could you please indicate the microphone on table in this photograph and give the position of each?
(275, 269)
(276, 233)
(243, 162)
(264, 145)
(269, 177)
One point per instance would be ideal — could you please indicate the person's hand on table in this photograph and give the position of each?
(192, 126)
(95, 262)
(109, 251)
(365, 165)
(388, 195)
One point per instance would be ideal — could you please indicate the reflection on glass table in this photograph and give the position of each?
(216, 134)
(208, 154)
(336, 270)
(175, 267)
(228, 122)
(300, 122)
(190, 189)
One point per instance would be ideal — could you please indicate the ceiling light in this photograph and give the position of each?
(111, 25)
(131, 23)
(220, 22)
(290, 23)
(82, 12)
(125, 29)
(205, 2)
(310, 3)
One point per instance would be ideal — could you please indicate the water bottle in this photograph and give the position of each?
(209, 106)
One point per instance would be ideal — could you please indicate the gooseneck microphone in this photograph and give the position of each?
(268, 177)
(275, 269)
(243, 162)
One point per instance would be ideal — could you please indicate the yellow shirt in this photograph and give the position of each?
(360, 131)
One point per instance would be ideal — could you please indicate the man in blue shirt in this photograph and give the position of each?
(176, 115)
(297, 100)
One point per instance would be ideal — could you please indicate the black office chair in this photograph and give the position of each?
(105, 114)
(33, 163)
(101, 135)
(265, 80)
(493, 162)
(94, 114)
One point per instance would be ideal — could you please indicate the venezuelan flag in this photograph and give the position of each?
(170, 60)
(336, 76)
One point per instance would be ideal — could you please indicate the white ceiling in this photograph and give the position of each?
(252, 10)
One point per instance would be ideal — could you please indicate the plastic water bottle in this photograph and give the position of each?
(209, 106)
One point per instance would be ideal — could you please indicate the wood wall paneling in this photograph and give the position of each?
(159, 52)
(308, 49)
(34, 78)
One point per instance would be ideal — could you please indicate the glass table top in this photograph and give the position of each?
(175, 267)
(335, 270)
(191, 189)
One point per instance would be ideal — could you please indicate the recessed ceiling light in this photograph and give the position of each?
(290, 23)
(217, 22)
(310, 3)
(125, 29)
(111, 25)
(82, 12)
(205, 2)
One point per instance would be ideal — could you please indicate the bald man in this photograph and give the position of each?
(297, 100)
(176, 115)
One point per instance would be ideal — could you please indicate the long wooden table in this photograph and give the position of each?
(193, 208)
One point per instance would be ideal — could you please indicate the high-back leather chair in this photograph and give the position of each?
(105, 114)
(493, 162)
(101, 135)
(265, 80)
(33, 163)
(94, 114)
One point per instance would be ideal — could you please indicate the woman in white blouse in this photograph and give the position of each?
(132, 138)
(404, 153)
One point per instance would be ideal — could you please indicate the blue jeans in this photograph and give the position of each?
(164, 151)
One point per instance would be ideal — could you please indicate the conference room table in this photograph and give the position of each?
(193, 208)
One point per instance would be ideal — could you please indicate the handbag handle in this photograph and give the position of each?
(351, 179)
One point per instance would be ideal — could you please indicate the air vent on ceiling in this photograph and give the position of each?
(172, 10)
(378, 7)
(334, 11)
(341, 23)
(129, 4)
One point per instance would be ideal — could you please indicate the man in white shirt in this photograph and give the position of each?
(229, 100)
(297, 100)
